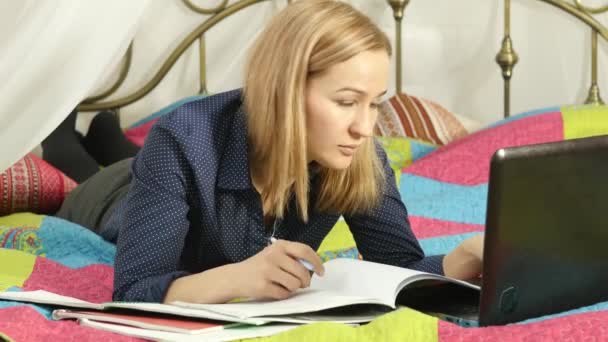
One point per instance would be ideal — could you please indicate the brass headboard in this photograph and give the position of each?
(217, 14)
(507, 57)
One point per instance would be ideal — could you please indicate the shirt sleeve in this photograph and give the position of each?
(384, 234)
(153, 221)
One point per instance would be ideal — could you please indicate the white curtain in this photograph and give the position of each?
(52, 54)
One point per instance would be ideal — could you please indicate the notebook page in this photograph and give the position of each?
(351, 277)
(230, 334)
(45, 297)
(184, 311)
(306, 300)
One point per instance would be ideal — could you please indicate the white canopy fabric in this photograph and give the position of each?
(52, 54)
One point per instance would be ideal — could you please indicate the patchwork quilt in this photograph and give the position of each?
(444, 188)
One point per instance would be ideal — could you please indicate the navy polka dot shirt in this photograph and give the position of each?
(191, 206)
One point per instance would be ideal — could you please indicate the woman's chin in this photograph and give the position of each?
(339, 162)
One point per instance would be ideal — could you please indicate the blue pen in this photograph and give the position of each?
(304, 263)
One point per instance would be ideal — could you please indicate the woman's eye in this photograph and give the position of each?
(374, 105)
(345, 103)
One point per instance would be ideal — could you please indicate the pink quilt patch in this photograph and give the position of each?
(92, 283)
(424, 227)
(23, 323)
(138, 134)
(466, 161)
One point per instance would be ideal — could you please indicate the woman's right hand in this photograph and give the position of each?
(275, 272)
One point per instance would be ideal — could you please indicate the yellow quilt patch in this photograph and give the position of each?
(402, 325)
(16, 268)
(399, 153)
(584, 121)
(338, 238)
(22, 220)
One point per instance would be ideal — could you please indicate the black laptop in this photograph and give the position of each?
(546, 242)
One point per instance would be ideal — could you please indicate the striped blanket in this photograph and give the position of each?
(444, 188)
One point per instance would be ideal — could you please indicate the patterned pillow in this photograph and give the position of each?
(408, 116)
(33, 185)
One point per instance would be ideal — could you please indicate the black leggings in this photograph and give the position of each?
(91, 203)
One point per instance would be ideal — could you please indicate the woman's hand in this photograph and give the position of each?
(275, 272)
(465, 261)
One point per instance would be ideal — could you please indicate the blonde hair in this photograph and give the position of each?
(306, 38)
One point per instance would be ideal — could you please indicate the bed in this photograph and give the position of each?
(442, 175)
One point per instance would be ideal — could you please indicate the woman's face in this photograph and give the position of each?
(342, 106)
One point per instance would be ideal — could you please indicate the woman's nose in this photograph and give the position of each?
(363, 125)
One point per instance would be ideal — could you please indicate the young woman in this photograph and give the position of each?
(283, 159)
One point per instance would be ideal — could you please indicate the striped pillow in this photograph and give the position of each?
(408, 116)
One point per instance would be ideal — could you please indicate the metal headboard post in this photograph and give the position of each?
(202, 69)
(594, 90)
(584, 13)
(507, 58)
(398, 7)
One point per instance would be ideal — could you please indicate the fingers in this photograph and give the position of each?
(268, 280)
(301, 251)
(286, 280)
(465, 262)
(293, 267)
(275, 291)
(280, 271)
(474, 245)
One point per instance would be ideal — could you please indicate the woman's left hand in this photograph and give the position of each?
(465, 261)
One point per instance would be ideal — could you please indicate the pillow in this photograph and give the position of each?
(408, 116)
(33, 185)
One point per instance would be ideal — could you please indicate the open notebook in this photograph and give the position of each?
(361, 288)
(351, 291)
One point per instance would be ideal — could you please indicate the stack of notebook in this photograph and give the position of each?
(350, 292)
(154, 327)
